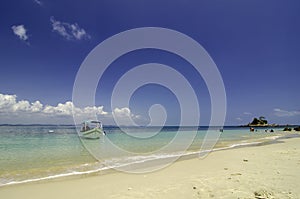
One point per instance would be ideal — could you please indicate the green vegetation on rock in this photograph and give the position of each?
(261, 121)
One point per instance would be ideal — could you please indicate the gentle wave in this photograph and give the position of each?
(74, 173)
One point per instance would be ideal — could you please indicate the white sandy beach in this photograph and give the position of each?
(270, 171)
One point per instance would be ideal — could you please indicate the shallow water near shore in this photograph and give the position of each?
(34, 153)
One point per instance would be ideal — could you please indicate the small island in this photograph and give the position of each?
(260, 122)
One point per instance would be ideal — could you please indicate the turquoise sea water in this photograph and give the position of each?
(33, 153)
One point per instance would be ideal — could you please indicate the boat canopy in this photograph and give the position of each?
(91, 121)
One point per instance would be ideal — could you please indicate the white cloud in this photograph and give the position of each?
(38, 2)
(69, 31)
(60, 109)
(122, 112)
(9, 104)
(36, 106)
(283, 113)
(95, 110)
(7, 100)
(66, 109)
(247, 113)
(22, 105)
(239, 119)
(123, 116)
(24, 111)
(20, 31)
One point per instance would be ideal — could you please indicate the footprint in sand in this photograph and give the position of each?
(236, 174)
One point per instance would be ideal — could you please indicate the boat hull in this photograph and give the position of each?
(92, 134)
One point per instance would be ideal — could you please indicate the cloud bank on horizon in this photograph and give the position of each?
(13, 111)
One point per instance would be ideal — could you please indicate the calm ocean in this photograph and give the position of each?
(34, 153)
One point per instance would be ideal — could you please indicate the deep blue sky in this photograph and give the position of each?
(254, 43)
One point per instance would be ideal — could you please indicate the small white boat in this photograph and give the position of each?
(92, 130)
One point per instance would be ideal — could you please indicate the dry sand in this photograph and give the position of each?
(270, 171)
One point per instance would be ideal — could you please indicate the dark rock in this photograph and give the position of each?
(287, 129)
(297, 128)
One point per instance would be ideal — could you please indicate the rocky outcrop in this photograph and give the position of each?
(287, 129)
(261, 121)
(297, 128)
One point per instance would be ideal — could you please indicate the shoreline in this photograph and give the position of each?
(216, 164)
(188, 155)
